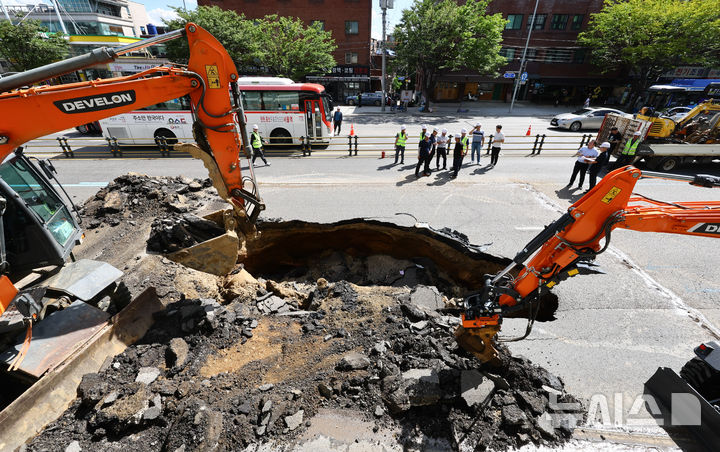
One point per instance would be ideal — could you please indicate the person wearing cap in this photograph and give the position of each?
(497, 141)
(400, 140)
(627, 156)
(585, 155)
(441, 142)
(478, 139)
(433, 148)
(423, 155)
(256, 142)
(599, 163)
(459, 152)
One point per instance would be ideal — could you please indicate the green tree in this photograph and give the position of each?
(293, 50)
(28, 45)
(239, 36)
(434, 35)
(649, 37)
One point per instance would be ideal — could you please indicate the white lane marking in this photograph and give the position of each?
(529, 228)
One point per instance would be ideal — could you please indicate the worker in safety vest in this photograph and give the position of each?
(256, 141)
(627, 156)
(461, 148)
(400, 140)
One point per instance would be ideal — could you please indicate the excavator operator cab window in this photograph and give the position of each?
(39, 228)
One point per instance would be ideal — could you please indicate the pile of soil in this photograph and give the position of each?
(254, 358)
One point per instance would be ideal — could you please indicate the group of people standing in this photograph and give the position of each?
(438, 144)
(596, 160)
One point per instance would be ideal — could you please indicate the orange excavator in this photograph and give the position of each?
(566, 247)
(38, 226)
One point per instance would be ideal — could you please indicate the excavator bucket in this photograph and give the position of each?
(218, 255)
(479, 342)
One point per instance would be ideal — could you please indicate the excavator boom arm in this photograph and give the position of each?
(209, 78)
(577, 237)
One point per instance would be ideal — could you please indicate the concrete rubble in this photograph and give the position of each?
(262, 351)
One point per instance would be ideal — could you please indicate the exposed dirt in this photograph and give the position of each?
(315, 324)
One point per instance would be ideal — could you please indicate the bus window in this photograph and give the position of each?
(180, 104)
(327, 106)
(252, 100)
(281, 100)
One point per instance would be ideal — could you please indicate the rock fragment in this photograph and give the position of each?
(295, 420)
(147, 375)
(353, 361)
(475, 389)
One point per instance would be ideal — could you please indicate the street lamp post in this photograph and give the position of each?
(522, 60)
(384, 5)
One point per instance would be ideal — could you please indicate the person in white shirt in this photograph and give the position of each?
(478, 139)
(585, 156)
(442, 144)
(497, 141)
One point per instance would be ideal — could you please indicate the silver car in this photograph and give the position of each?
(585, 118)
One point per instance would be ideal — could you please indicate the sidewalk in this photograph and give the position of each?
(479, 108)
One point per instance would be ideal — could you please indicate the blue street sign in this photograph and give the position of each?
(523, 76)
(509, 75)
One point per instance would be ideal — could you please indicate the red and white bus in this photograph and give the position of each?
(283, 110)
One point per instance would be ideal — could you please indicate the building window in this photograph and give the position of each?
(319, 23)
(507, 52)
(351, 58)
(559, 21)
(577, 22)
(531, 54)
(579, 56)
(351, 27)
(514, 22)
(558, 55)
(539, 21)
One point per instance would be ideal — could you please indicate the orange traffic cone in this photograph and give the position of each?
(529, 131)
(352, 130)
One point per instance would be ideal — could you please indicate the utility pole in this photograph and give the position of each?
(522, 60)
(384, 5)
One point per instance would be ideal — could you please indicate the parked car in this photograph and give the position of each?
(585, 118)
(676, 113)
(367, 99)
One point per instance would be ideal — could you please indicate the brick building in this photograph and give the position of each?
(348, 20)
(557, 67)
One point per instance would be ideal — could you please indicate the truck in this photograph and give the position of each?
(702, 146)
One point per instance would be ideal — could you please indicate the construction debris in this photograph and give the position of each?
(292, 333)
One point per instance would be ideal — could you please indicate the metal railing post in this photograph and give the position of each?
(67, 151)
(537, 138)
(542, 141)
(490, 138)
(356, 144)
(349, 145)
(309, 146)
(302, 145)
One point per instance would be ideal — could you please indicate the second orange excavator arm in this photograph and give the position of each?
(209, 78)
(566, 246)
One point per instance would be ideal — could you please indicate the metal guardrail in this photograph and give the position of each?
(348, 145)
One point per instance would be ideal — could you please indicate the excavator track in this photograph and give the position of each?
(49, 396)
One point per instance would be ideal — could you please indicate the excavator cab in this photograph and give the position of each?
(39, 229)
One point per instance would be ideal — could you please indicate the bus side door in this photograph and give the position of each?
(313, 118)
